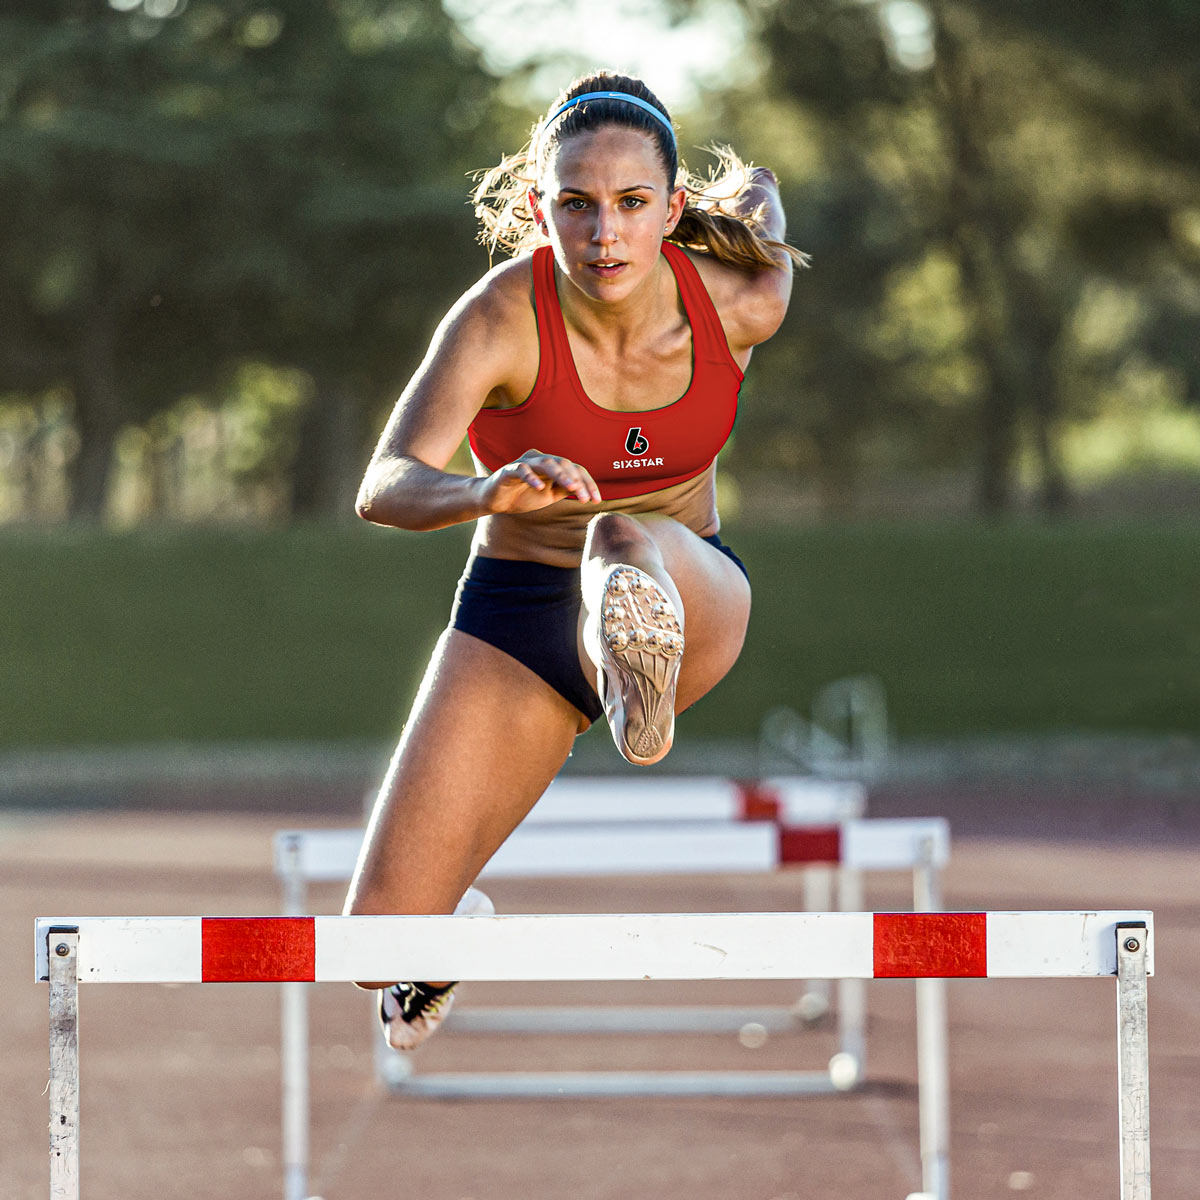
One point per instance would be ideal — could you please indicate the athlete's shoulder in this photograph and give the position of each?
(495, 314)
(750, 303)
(506, 291)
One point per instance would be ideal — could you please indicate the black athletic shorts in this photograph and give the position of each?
(531, 612)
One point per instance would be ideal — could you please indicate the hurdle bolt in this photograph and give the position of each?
(62, 949)
(1132, 945)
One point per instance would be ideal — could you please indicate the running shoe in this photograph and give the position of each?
(411, 1012)
(641, 647)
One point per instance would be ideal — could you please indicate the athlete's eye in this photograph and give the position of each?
(575, 204)
(633, 202)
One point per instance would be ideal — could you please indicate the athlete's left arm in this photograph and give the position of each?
(752, 304)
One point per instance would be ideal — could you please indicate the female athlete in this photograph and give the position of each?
(596, 374)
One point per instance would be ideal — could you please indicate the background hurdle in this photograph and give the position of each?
(793, 800)
(788, 799)
(625, 947)
(545, 849)
(542, 850)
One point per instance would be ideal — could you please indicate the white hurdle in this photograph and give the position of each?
(795, 801)
(622, 848)
(1025, 945)
(541, 849)
(792, 800)
(788, 799)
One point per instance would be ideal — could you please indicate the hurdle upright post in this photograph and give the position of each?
(851, 1058)
(933, 1058)
(1133, 1061)
(62, 945)
(294, 1033)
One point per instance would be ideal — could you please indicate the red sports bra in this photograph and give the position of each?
(627, 453)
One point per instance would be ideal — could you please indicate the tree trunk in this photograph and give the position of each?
(329, 462)
(1039, 324)
(99, 412)
(980, 228)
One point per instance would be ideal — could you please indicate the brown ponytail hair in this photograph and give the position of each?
(714, 221)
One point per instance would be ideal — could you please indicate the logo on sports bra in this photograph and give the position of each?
(634, 442)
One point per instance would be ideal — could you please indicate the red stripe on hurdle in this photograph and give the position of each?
(258, 949)
(930, 945)
(759, 802)
(818, 844)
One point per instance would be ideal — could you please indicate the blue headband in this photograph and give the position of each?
(622, 96)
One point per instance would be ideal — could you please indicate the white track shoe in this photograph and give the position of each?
(411, 1012)
(640, 644)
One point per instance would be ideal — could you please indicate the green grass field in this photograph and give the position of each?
(321, 633)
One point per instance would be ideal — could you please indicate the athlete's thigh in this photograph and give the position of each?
(484, 739)
(716, 605)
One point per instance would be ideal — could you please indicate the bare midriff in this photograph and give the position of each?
(555, 535)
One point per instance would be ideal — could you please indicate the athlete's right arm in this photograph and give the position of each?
(485, 346)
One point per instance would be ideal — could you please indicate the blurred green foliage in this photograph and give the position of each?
(233, 182)
(1003, 204)
(315, 633)
(227, 231)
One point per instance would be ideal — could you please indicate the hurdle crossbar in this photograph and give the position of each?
(790, 799)
(661, 848)
(590, 946)
(1024, 945)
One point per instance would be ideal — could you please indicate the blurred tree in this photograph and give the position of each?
(99, 185)
(1003, 202)
(1006, 154)
(191, 186)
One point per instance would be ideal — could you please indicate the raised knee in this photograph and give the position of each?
(611, 534)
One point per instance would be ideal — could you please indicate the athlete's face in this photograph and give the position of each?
(607, 206)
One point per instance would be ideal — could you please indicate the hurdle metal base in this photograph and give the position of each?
(627, 1019)
(507, 1085)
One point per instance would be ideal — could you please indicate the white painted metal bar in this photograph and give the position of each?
(1019, 948)
(317, 855)
(532, 1084)
(131, 949)
(810, 801)
(623, 1018)
(604, 848)
(1133, 1058)
(678, 848)
(605, 798)
(571, 799)
(592, 946)
(621, 946)
(895, 843)
(62, 957)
